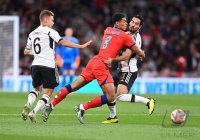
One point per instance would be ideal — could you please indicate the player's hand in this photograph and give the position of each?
(108, 61)
(28, 52)
(86, 44)
(142, 56)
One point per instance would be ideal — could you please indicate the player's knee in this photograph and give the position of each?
(78, 83)
(74, 87)
(111, 98)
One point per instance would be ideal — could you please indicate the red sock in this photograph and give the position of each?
(96, 102)
(59, 96)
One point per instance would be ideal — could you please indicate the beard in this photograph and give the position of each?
(133, 30)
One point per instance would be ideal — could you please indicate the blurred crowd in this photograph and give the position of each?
(170, 35)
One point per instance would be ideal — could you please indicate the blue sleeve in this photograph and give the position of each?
(58, 50)
(75, 40)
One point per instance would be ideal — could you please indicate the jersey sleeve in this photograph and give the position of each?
(55, 35)
(58, 50)
(129, 42)
(29, 44)
(77, 41)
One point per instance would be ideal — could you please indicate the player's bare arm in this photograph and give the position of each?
(27, 51)
(125, 56)
(73, 45)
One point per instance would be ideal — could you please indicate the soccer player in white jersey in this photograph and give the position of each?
(128, 73)
(41, 44)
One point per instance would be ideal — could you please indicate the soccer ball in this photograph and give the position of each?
(178, 116)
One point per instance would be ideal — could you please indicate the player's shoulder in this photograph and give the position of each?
(47, 30)
(108, 29)
(50, 30)
(33, 32)
(126, 35)
(115, 31)
(42, 29)
(75, 39)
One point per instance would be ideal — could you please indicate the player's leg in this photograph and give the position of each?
(36, 82)
(104, 78)
(112, 105)
(31, 99)
(124, 86)
(122, 90)
(77, 84)
(49, 78)
(109, 96)
(123, 96)
(86, 76)
(40, 104)
(126, 81)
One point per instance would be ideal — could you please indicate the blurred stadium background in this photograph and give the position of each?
(171, 39)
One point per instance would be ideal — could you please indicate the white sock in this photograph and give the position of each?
(141, 99)
(112, 109)
(45, 99)
(32, 96)
(133, 98)
(81, 107)
(125, 97)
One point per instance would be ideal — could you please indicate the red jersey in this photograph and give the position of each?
(113, 41)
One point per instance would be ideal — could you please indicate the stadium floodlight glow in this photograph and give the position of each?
(9, 46)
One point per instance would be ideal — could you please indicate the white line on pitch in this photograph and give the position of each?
(86, 114)
(94, 114)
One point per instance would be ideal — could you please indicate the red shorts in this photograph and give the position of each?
(96, 69)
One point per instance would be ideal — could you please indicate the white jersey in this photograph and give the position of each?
(41, 42)
(131, 64)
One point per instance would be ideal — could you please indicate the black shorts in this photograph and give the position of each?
(48, 77)
(127, 79)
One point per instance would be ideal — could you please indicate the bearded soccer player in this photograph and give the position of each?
(114, 40)
(128, 71)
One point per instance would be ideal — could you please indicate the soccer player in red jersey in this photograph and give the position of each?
(114, 40)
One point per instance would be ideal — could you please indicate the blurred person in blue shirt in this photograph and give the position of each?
(68, 59)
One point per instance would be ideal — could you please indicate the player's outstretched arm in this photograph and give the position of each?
(73, 45)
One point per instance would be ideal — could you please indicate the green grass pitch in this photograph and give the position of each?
(134, 121)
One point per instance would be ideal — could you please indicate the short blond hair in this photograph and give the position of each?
(45, 13)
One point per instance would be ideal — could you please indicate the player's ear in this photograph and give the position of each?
(117, 24)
